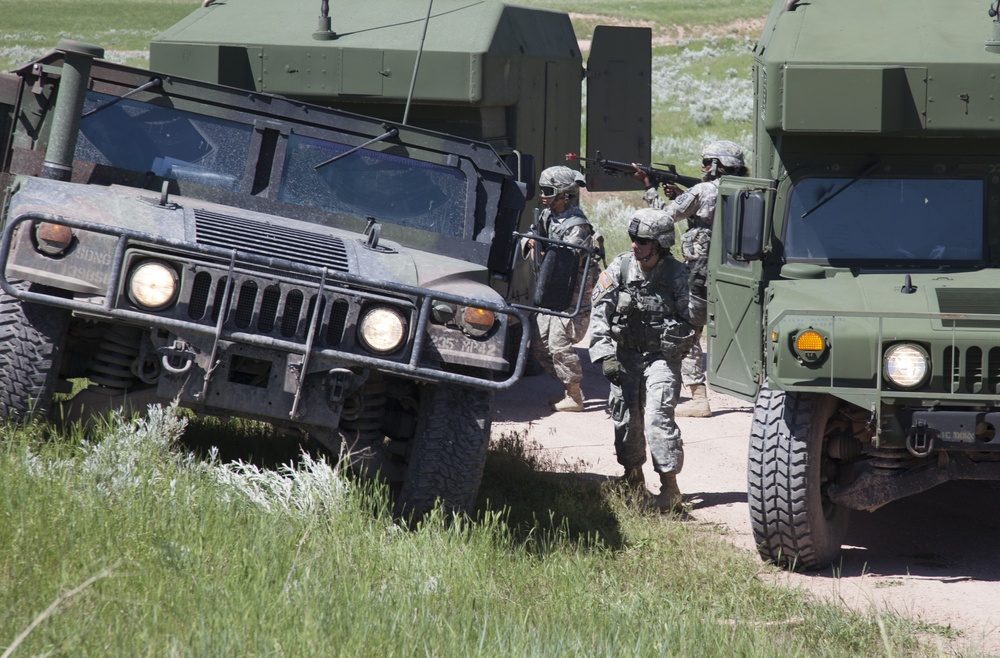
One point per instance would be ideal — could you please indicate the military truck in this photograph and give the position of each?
(853, 293)
(247, 255)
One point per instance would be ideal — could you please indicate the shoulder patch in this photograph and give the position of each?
(604, 283)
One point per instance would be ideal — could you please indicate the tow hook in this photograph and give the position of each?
(919, 442)
(176, 358)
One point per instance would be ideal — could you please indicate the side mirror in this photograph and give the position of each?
(747, 222)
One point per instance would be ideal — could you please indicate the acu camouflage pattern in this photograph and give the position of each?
(630, 312)
(697, 206)
(555, 336)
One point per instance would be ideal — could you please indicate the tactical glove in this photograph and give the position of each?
(611, 369)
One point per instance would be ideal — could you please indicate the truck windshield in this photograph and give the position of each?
(169, 143)
(367, 183)
(210, 151)
(890, 221)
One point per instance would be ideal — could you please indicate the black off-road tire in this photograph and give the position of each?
(794, 524)
(448, 453)
(31, 338)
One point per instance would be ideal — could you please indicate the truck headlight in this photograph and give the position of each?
(382, 329)
(152, 285)
(906, 365)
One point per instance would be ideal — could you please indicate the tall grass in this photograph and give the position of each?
(172, 555)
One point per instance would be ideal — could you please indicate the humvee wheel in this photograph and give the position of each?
(31, 337)
(448, 453)
(794, 524)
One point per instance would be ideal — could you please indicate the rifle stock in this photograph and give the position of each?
(656, 176)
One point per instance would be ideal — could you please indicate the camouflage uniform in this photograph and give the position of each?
(630, 309)
(555, 336)
(697, 206)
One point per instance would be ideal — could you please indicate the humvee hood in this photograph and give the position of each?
(928, 292)
(192, 220)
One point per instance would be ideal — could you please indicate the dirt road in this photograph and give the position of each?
(931, 557)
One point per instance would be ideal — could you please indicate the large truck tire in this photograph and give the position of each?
(31, 337)
(448, 453)
(794, 524)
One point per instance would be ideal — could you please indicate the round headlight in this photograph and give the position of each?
(152, 285)
(382, 329)
(906, 365)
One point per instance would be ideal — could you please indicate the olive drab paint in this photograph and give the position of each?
(853, 291)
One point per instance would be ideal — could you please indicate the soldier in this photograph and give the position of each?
(554, 337)
(697, 206)
(639, 333)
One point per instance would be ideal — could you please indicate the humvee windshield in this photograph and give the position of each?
(891, 221)
(189, 147)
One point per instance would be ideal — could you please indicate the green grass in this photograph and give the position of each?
(178, 556)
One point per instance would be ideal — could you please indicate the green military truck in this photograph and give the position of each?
(350, 275)
(854, 293)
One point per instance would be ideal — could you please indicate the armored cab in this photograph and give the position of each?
(853, 291)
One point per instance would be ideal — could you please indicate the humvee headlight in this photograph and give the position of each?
(477, 322)
(810, 346)
(152, 285)
(382, 329)
(906, 365)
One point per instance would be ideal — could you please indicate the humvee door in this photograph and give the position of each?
(735, 286)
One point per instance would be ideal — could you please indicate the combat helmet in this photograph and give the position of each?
(725, 154)
(560, 180)
(652, 224)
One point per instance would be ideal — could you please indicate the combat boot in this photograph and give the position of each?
(634, 480)
(572, 401)
(670, 498)
(697, 406)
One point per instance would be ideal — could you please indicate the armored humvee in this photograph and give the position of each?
(352, 276)
(854, 292)
(242, 254)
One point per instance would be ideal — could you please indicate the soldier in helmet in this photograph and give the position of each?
(563, 219)
(697, 206)
(640, 331)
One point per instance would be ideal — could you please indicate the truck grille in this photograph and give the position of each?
(269, 240)
(971, 370)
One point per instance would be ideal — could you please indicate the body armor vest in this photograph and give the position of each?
(643, 307)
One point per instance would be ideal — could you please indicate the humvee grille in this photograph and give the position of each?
(282, 311)
(270, 240)
(971, 370)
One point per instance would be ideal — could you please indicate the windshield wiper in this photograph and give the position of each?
(392, 132)
(154, 82)
(829, 197)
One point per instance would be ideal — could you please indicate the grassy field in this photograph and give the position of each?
(135, 540)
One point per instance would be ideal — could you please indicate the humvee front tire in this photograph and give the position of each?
(447, 455)
(31, 337)
(794, 524)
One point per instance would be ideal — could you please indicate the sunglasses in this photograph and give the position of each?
(642, 242)
(708, 162)
(547, 190)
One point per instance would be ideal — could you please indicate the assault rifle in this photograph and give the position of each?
(656, 176)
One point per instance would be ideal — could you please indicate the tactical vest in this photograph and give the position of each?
(643, 306)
